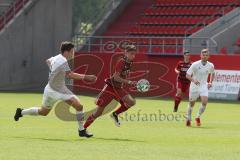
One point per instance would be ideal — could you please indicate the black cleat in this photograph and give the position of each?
(114, 116)
(175, 109)
(18, 114)
(84, 133)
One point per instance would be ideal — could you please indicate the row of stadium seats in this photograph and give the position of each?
(164, 3)
(158, 41)
(190, 11)
(176, 20)
(162, 30)
(160, 50)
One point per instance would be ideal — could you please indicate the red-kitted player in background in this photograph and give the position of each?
(182, 82)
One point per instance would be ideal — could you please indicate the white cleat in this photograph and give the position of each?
(114, 116)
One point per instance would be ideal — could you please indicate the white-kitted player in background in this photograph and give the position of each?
(198, 75)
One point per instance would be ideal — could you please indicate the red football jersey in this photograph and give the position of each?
(123, 67)
(182, 67)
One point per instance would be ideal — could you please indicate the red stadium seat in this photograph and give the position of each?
(175, 18)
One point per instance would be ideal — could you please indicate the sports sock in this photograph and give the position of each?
(189, 113)
(89, 121)
(177, 101)
(201, 110)
(80, 118)
(31, 111)
(121, 109)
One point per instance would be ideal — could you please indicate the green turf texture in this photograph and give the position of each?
(38, 138)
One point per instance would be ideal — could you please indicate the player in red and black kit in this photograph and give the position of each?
(114, 88)
(182, 82)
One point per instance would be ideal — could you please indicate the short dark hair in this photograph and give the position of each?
(130, 48)
(186, 52)
(66, 46)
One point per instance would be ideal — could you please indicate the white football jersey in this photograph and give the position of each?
(200, 72)
(58, 68)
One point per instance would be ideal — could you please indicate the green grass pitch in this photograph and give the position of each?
(39, 138)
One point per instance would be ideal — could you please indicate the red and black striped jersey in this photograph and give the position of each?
(123, 67)
(182, 67)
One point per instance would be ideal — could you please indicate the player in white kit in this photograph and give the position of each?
(198, 75)
(56, 88)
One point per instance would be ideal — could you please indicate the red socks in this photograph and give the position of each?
(91, 118)
(89, 121)
(177, 101)
(121, 109)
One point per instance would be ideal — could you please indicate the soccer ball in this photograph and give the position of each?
(143, 85)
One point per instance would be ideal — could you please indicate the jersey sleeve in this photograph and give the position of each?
(119, 66)
(50, 59)
(191, 70)
(66, 67)
(49, 62)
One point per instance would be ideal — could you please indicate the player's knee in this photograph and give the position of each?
(179, 93)
(43, 113)
(192, 104)
(204, 104)
(131, 103)
(97, 114)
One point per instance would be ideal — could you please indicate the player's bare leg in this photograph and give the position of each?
(34, 111)
(75, 103)
(204, 100)
(127, 102)
(177, 99)
(189, 113)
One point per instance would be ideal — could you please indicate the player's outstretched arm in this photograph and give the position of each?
(48, 61)
(117, 78)
(212, 76)
(76, 76)
(177, 68)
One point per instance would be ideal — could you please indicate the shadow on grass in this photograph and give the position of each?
(79, 139)
(50, 139)
(202, 127)
(117, 139)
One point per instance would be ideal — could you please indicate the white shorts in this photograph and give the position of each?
(196, 91)
(50, 97)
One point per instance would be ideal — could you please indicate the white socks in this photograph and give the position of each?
(201, 110)
(80, 118)
(31, 111)
(189, 113)
(34, 112)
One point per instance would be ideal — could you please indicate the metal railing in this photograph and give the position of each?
(221, 12)
(11, 12)
(149, 45)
